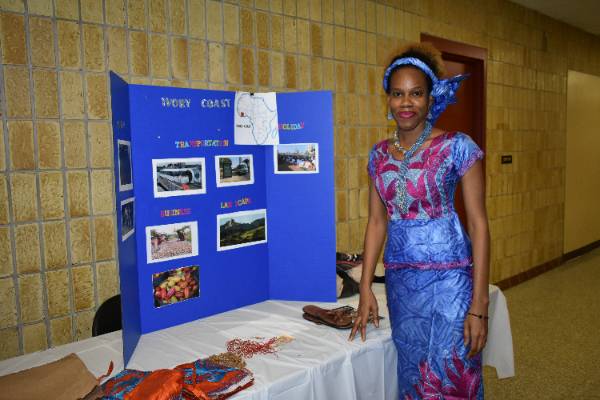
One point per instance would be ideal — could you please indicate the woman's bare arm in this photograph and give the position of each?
(374, 238)
(473, 188)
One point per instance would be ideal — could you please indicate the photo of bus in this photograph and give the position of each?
(178, 176)
(234, 170)
(240, 170)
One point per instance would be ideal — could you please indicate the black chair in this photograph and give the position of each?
(108, 317)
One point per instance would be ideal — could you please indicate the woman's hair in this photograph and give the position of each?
(425, 52)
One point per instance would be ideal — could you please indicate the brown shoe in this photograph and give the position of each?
(340, 318)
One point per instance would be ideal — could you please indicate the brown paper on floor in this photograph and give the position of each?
(65, 379)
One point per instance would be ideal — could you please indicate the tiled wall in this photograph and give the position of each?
(57, 227)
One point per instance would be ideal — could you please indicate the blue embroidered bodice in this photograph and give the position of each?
(429, 234)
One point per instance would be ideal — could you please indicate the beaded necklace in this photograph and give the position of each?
(249, 348)
(401, 187)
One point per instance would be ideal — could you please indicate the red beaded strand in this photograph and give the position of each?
(250, 348)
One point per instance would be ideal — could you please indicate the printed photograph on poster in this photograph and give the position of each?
(175, 285)
(127, 218)
(178, 176)
(241, 229)
(171, 241)
(124, 159)
(234, 170)
(255, 119)
(296, 158)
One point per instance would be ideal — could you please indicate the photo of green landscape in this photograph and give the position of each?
(242, 229)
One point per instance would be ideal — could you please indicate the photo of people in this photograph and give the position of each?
(241, 229)
(178, 176)
(125, 174)
(127, 218)
(175, 286)
(234, 170)
(296, 158)
(168, 242)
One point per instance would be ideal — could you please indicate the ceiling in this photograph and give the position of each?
(583, 14)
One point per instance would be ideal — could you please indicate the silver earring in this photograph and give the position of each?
(390, 116)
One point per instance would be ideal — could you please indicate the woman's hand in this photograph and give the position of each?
(367, 306)
(475, 332)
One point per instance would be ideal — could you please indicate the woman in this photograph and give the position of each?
(436, 274)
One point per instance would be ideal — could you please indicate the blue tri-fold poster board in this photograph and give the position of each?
(206, 226)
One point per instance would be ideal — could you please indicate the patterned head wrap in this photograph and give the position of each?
(443, 90)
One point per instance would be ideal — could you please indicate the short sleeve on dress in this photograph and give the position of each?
(373, 157)
(465, 153)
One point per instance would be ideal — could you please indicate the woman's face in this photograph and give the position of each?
(408, 99)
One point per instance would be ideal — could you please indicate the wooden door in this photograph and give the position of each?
(468, 114)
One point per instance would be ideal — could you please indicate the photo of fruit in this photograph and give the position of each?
(175, 286)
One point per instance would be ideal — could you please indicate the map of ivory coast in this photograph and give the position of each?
(256, 118)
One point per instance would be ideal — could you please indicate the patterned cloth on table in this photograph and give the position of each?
(428, 265)
(198, 380)
(207, 380)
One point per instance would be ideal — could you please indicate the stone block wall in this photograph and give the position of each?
(57, 225)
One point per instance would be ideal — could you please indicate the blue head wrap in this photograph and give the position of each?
(443, 90)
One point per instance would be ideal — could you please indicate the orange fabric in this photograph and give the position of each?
(162, 384)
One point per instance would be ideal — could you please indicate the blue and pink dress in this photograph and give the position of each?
(428, 265)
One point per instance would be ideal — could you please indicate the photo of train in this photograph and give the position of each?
(178, 176)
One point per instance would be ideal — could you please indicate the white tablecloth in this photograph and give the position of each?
(319, 364)
(498, 351)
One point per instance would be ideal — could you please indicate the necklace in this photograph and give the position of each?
(401, 187)
(397, 144)
(249, 348)
(420, 140)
